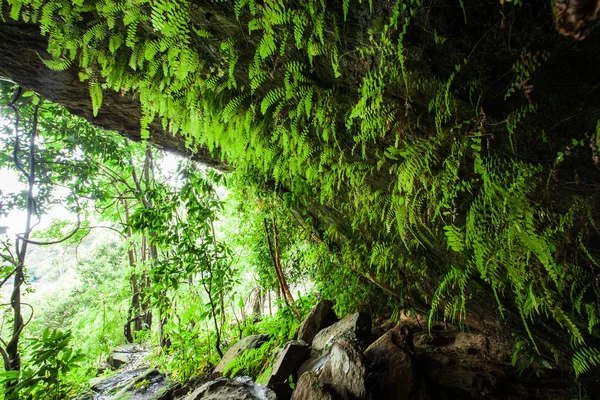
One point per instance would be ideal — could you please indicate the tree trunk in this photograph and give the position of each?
(11, 355)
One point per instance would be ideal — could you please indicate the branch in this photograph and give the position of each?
(30, 317)
(106, 227)
(5, 357)
(70, 235)
(9, 275)
(10, 259)
(17, 120)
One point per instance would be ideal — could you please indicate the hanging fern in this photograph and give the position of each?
(585, 359)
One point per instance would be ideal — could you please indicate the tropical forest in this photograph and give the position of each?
(299, 199)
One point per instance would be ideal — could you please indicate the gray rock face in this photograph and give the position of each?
(290, 358)
(247, 343)
(389, 364)
(240, 388)
(319, 318)
(310, 388)
(355, 327)
(345, 370)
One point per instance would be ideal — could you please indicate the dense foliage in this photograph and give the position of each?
(390, 130)
(150, 258)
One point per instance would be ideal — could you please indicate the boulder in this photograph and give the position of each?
(239, 388)
(288, 361)
(345, 370)
(319, 318)
(355, 327)
(390, 366)
(247, 343)
(139, 384)
(310, 388)
(315, 363)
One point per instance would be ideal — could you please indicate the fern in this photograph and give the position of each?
(585, 359)
(414, 169)
(456, 240)
(57, 65)
(96, 95)
(271, 98)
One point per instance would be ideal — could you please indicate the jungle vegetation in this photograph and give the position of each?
(439, 157)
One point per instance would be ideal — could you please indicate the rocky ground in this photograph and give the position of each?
(351, 359)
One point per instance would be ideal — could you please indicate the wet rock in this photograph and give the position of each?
(355, 327)
(319, 318)
(247, 343)
(289, 360)
(138, 384)
(123, 354)
(345, 370)
(190, 385)
(390, 366)
(239, 388)
(314, 364)
(310, 388)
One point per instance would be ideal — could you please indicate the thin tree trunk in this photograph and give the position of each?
(274, 250)
(272, 254)
(270, 310)
(284, 285)
(256, 312)
(135, 309)
(222, 300)
(208, 290)
(13, 359)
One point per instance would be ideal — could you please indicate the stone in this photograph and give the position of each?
(310, 388)
(471, 343)
(345, 370)
(239, 388)
(355, 327)
(315, 363)
(103, 367)
(139, 384)
(247, 343)
(476, 380)
(319, 318)
(390, 365)
(288, 361)
(122, 355)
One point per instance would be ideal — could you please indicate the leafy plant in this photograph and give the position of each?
(526, 359)
(586, 358)
(44, 375)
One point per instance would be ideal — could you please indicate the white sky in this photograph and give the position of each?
(15, 220)
(9, 183)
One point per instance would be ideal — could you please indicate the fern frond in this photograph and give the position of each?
(585, 359)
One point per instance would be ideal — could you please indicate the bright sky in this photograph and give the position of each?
(15, 220)
(9, 183)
